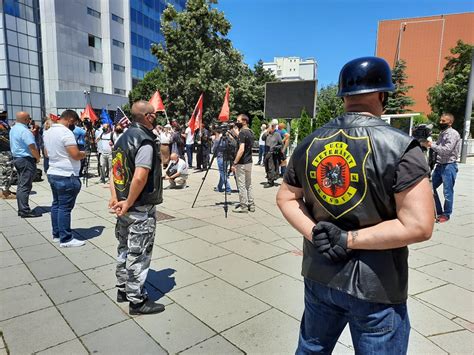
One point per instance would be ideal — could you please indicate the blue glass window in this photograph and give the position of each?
(134, 39)
(145, 21)
(133, 15)
(140, 18)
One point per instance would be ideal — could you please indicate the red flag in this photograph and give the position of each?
(225, 111)
(196, 118)
(157, 102)
(89, 113)
(53, 117)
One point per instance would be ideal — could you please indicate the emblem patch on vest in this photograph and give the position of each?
(119, 170)
(335, 170)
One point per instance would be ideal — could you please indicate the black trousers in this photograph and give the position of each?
(26, 170)
(272, 164)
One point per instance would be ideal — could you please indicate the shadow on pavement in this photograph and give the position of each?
(89, 233)
(163, 280)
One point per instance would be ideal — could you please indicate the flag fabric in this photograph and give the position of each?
(105, 117)
(89, 113)
(225, 111)
(120, 118)
(196, 118)
(157, 102)
(53, 117)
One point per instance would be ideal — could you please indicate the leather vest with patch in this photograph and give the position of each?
(123, 165)
(347, 169)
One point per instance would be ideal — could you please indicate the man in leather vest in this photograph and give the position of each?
(136, 190)
(358, 191)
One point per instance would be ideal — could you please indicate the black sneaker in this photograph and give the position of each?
(29, 215)
(268, 184)
(121, 296)
(145, 307)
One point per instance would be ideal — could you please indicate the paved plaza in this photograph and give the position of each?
(230, 285)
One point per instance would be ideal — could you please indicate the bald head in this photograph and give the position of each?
(140, 109)
(174, 156)
(23, 117)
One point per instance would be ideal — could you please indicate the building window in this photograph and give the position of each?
(117, 18)
(95, 67)
(118, 43)
(119, 67)
(94, 41)
(119, 91)
(93, 12)
(97, 88)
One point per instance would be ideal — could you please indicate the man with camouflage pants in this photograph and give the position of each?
(6, 161)
(136, 190)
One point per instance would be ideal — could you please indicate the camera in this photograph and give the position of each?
(422, 132)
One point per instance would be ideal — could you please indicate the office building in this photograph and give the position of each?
(293, 68)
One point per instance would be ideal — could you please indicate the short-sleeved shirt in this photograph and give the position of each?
(103, 143)
(56, 139)
(246, 137)
(189, 136)
(144, 157)
(20, 138)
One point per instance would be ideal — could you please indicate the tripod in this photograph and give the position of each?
(226, 159)
(92, 146)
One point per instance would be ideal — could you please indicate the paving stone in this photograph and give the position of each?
(159, 253)
(235, 223)
(454, 255)
(15, 275)
(72, 347)
(461, 342)
(261, 232)
(172, 272)
(37, 252)
(452, 273)
(43, 226)
(216, 345)
(421, 282)
(428, 322)
(417, 258)
(217, 304)
(271, 332)
(39, 336)
(442, 297)
(185, 223)
(422, 245)
(166, 234)
(253, 249)
(103, 276)
(111, 340)
(238, 271)
(283, 293)
(286, 231)
(52, 267)
(464, 323)
(98, 307)
(340, 349)
(175, 329)
(88, 259)
(17, 230)
(69, 287)
(195, 250)
(20, 300)
(288, 263)
(418, 344)
(4, 245)
(214, 234)
(27, 240)
(9, 258)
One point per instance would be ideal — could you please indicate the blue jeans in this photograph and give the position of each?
(261, 153)
(189, 153)
(222, 172)
(65, 190)
(444, 174)
(376, 328)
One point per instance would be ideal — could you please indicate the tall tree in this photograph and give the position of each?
(450, 94)
(398, 100)
(329, 105)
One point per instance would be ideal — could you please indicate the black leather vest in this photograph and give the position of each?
(123, 165)
(347, 170)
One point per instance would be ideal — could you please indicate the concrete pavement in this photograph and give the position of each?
(230, 285)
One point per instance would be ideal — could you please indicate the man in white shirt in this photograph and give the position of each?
(63, 176)
(177, 172)
(189, 145)
(104, 148)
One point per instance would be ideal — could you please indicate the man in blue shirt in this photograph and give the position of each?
(80, 135)
(25, 157)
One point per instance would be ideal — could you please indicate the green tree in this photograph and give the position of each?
(153, 80)
(255, 126)
(329, 105)
(261, 76)
(398, 100)
(304, 126)
(450, 94)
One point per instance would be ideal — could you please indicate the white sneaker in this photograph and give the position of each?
(72, 243)
(56, 240)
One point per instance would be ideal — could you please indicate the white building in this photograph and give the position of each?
(293, 68)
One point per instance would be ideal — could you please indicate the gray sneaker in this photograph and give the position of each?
(251, 208)
(240, 209)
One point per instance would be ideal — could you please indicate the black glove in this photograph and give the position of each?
(331, 241)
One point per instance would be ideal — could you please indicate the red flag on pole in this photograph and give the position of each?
(53, 117)
(225, 111)
(157, 102)
(89, 113)
(196, 117)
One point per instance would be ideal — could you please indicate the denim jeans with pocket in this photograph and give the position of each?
(223, 181)
(65, 190)
(376, 328)
(444, 174)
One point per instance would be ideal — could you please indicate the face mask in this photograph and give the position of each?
(443, 126)
(71, 127)
(118, 131)
(239, 125)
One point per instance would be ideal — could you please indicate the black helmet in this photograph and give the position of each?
(364, 75)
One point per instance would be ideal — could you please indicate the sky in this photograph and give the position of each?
(331, 31)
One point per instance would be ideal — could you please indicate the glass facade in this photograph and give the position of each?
(145, 30)
(20, 59)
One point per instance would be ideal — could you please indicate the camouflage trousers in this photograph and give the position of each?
(135, 232)
(6, 170)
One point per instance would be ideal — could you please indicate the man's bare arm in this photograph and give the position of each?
(75, 153)
(34, 151)
(240, 152)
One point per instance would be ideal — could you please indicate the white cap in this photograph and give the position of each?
(167, 125)
(274, 122)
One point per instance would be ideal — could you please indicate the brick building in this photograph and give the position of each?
(424, 43)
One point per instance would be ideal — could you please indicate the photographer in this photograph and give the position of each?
(177, 172)
(273, 145)
(221, 149)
